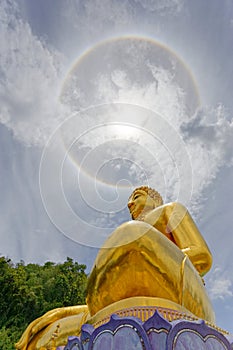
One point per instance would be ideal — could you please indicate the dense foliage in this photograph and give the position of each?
(28, 291)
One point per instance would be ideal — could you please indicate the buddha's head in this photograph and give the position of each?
(142, 200)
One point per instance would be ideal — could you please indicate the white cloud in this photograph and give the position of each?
(208, 135)
(106, 11)
(30, 80)
(95, 17)
(209, 139)
(163, 94)
(119, 77)
(30, 75)
(162, 6)
(219, 285)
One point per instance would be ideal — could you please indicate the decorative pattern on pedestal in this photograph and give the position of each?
(130, 333)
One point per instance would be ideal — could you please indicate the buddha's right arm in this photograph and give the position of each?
(175, 218)
(42, 322)
(188, 237)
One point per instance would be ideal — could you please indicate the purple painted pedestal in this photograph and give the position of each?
(130, 333)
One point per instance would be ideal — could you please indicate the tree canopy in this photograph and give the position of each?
(28, 291)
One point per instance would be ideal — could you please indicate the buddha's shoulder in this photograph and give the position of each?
(167, 211)
(173, 206)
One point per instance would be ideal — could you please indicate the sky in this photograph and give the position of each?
(98, 97)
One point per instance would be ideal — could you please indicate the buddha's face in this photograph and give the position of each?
(140, 202)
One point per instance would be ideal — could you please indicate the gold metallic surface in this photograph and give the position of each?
(141, 307)
(142, 200)
(175, 218)
(174, 221)
(57, 333)
(138, 260)
(40, 333)
(154, 262)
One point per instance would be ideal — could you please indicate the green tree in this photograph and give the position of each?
(28, 291)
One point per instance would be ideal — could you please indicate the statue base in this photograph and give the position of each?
(181, 332)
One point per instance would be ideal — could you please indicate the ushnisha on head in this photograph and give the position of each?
(143, 200)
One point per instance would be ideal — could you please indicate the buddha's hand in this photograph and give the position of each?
(45, 320)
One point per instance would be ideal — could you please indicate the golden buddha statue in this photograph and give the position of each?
(156, 260)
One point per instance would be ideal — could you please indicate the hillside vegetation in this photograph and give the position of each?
(28, 291)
